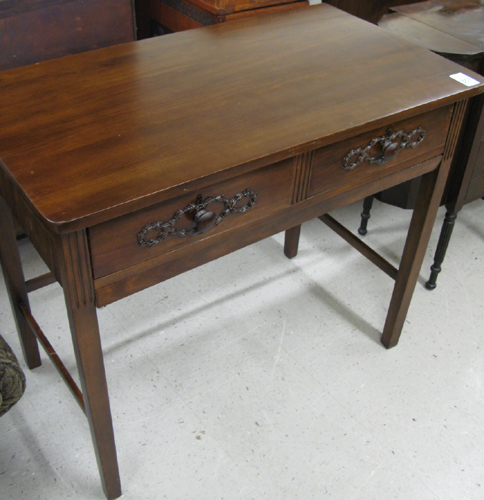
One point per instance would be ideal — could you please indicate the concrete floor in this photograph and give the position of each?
(259, 377)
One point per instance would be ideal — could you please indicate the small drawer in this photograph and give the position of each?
(187, 219)
(372, 155)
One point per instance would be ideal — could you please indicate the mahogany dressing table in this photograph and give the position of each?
(129, 165)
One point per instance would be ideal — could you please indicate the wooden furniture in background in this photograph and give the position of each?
(35, 31)
(141, 161)
(38, 30)
(370, 11)
(454, 29)
(169, 16)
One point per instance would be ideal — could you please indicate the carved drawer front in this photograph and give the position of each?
(375, 154)
(187, 219)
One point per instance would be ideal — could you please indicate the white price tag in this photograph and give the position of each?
(464, 79)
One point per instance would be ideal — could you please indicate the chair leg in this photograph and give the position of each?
(365, 215)
(444, 239)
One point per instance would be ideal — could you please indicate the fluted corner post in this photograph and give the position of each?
(303, 167)
(78, 285)
(15, 284)
(440, 251)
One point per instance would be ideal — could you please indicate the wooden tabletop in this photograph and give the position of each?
(97, 135)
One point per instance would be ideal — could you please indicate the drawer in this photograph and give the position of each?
(373, 155)
(188, 219)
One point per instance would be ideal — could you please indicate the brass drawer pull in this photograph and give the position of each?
(203, 219)
(387, 147)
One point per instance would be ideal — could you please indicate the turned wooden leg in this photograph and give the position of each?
(427, 204)
(365, 215)
(79, 296)
(444, 239)
(291, 241)
(15, 283)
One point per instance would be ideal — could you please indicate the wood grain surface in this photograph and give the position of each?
(98, 135)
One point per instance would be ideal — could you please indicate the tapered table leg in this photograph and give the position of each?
(79, 296)
(15, 283)
(427, 204)
(291, 241)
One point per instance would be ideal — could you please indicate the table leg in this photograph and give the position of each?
(15, 283)
(79, 296)
(427, 204)
(291, 241)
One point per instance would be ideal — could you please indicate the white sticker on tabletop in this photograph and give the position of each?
(464, 79)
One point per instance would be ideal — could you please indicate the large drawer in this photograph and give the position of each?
(128, 240)
(375, 154)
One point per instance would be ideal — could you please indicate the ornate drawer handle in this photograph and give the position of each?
(203, 220)
(390, 144)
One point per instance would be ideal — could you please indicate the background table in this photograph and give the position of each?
(454, 29)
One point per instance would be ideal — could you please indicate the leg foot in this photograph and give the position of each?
(291, 242)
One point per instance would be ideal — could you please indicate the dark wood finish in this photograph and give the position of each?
(142, 15)
(227, 7)
(365, 215)
(39, 282)
(179, 15)
(15, 284)
(427, 36)
(327, 173)
(115, 246)
(369, 11)
(36, 31)
(364, 249)
(116, 286)
(444, 238)
(472, 157)
(81, 310)
(291, 241)
(423, 218)
(213, 88)
(50, 351)
(454, 29)
(45, 242)
(460, 19)
(146, 128)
